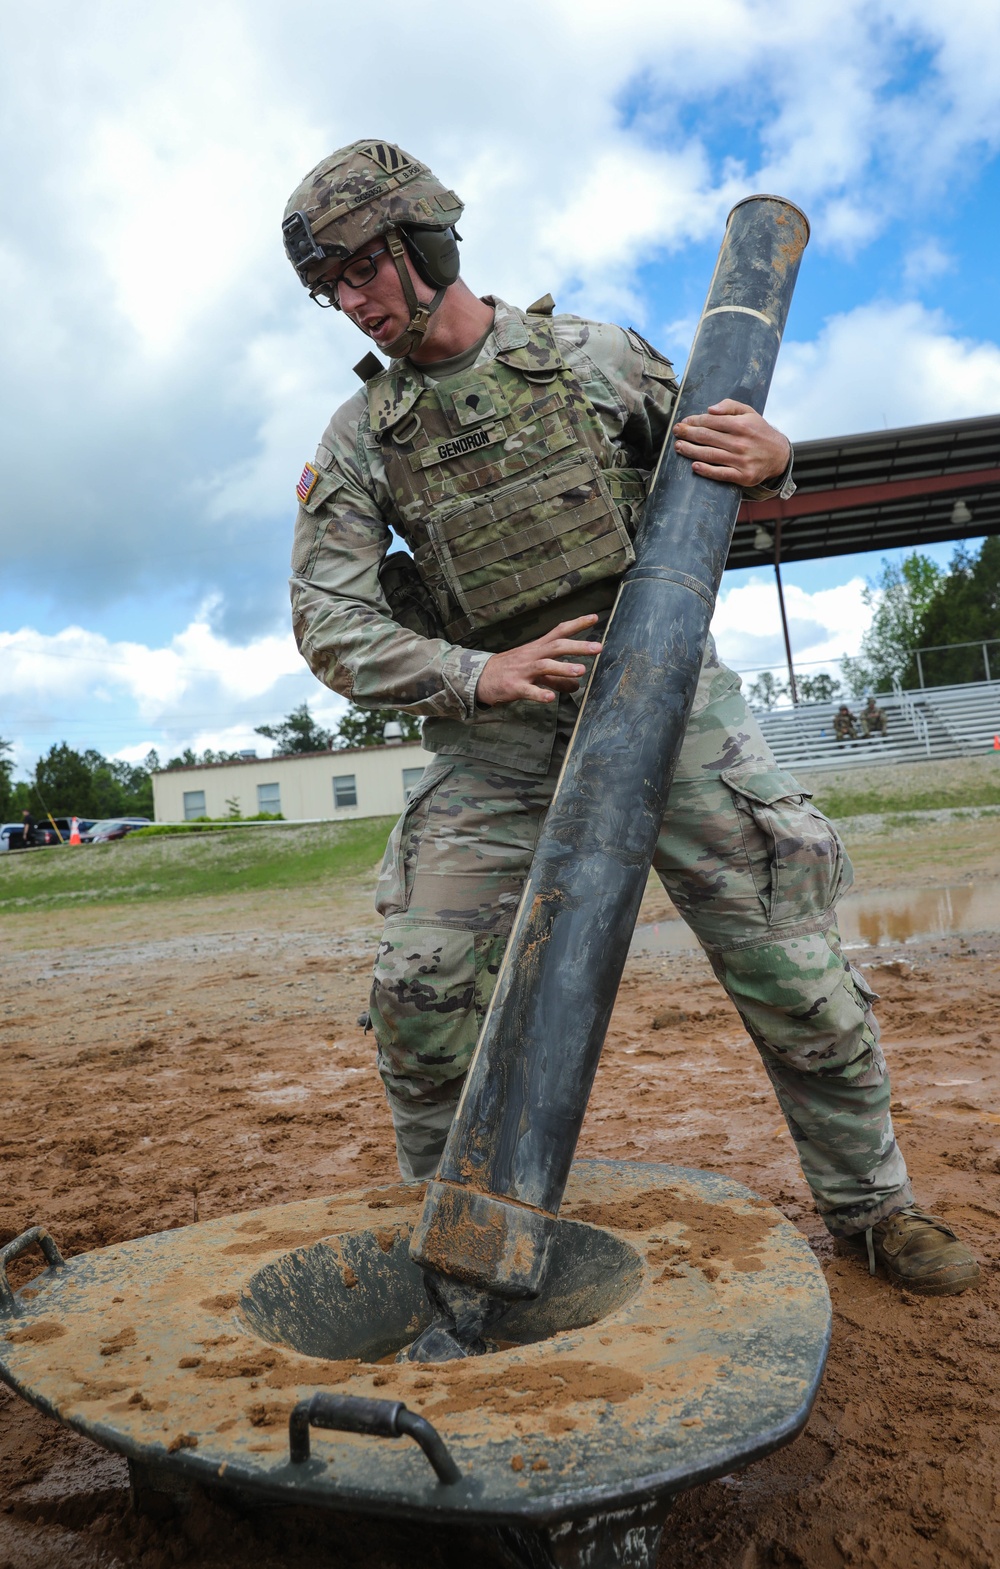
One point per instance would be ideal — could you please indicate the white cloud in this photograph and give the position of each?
(199, 689)
(823, 625)
(924, 263)
(882, 365)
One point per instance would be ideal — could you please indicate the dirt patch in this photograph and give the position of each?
(533, 1389)
(714, 1234)
(37, 1333)
(146, 1086)
(286, 1240)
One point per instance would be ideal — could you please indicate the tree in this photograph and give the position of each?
(6, 778)
(900, 597)
(63, 784)
(965, 609)
(366, 726)
(765, 691)
(821, 688)
(86, 784)
(15, 794)
(297, 732)
(133, 788)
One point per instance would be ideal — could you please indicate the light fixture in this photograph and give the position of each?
(763, 539)
(960, 513)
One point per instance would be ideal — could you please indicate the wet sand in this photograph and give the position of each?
(210, 1062)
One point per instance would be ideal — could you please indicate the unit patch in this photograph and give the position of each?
(391, 159)
(307, 483)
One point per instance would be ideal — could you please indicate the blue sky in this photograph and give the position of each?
(166, 376)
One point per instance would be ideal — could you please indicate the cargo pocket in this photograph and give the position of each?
(431, 989)
(395, 882)
(795, 856)
(866, 1000)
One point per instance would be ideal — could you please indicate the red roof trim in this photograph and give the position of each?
(810, 503)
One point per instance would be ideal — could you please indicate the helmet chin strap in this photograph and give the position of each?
(420, 315)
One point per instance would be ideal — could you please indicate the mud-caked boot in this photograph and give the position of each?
(917, 1251)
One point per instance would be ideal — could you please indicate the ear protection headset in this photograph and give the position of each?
(433, 253)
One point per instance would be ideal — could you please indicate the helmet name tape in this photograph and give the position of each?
(369, 194)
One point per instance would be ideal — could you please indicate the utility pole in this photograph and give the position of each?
(784, 619)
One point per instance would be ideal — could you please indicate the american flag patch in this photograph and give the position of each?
(307, 483)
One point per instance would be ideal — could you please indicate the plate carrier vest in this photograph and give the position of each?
(507, 489)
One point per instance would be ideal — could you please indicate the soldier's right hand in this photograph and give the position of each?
(536, 672)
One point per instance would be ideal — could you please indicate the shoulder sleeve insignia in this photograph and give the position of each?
(307, 483)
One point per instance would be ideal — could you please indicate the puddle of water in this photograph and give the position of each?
(905, 915)
(877, 919)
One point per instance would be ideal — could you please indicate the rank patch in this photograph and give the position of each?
(307, 483)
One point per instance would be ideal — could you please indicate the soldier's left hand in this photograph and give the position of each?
(734, 444)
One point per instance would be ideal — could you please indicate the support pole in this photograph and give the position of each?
(488, 1218)
(784, 619)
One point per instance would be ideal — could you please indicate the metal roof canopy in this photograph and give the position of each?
(880, 490)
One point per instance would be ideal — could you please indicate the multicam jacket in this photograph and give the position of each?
(384, 466)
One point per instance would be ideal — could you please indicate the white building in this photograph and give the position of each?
(369, 781)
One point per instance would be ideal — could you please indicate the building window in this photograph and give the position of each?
(411, 778)
(194, 804)
(269, 798)
(345, 790)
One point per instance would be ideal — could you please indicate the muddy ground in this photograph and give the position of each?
(167, 1063)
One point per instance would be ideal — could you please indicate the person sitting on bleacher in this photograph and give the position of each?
(845, 724)
(873, 719)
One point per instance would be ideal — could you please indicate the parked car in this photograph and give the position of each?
(12, 836)
(65, 826)
(46, 834)
(11, 833)
(113, 828)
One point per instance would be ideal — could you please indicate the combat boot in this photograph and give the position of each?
(917, 1251)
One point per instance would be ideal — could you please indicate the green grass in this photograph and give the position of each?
(133, 869)
(908, 798)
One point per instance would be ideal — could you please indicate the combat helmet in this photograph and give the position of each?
(367, 189)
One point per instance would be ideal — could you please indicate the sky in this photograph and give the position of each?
(166, 376)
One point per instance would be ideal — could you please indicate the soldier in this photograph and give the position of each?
(873, 719)
(845, 724)
(511, 450)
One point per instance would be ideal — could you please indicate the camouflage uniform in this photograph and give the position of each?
(752, 868)
(844, 725)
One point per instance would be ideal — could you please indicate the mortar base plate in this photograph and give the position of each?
(170, 1351)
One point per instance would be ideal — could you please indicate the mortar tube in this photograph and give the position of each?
(489, 1214)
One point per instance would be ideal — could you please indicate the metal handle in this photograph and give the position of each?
(13, 1250)
(379, 1418)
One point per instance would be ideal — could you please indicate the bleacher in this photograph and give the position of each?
(921, 723)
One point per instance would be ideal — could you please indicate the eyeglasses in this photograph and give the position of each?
(325, 291)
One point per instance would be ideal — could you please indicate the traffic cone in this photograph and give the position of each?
(996, 743)
(74, 826)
